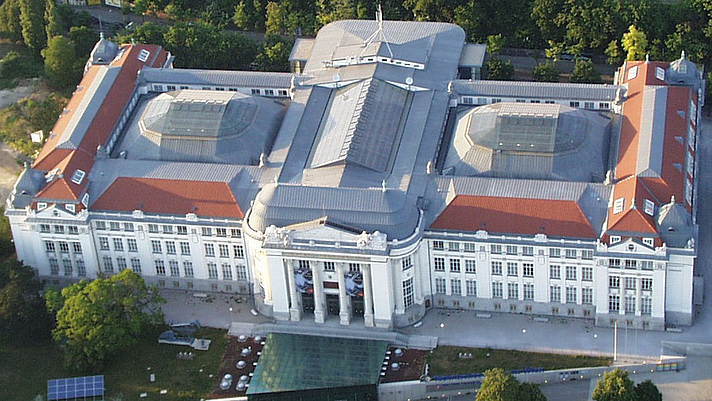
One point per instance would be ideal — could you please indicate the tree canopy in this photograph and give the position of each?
(647, 391)
(545, 72)
(98, 319)
(501, 386)
(614, 386)
(585, 73)
(61, 63)
(23, 317)
(635, 43)
(499, 69)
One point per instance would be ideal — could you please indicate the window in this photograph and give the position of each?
(513, 290)
(496, 268)
(143, 56)
(630, 283)
(72, 230)
(221, 232)
(207, 231)
(528, 250)
(555, 271)
(167, 229)
(128, 227)
(587, 273)
(235, 233)
(67, 265)
(570, 254)
(227, 271)
(354, 267)
(407, 263)
(173, 264)
(241, 272)
(121, 263)
(49, 246)
(44, 228)
(59, 229)
(440, 285)
(224, 250)
(646, 284)
(209, 250)
(587, 296)
(604, 106)
(511, 249)
(212, 271)
(618, 205)
(104, 243)
(77, 248)
(528, 291)
(408, 298)
(455, 265)
(81, 268)
(632, 72)
(470, 247)
(255, 91)
(614, 263)
(239, 251)
(71, 207)
(439, 264)
(646, 265)
(470, 266)
(182, 230)
(136, 265)
(100, 225)
(160, 267)
(571, 272)
(554, 293)
(114, 226)
(453, 246)
(153, 228)
(614, 282)
(587, 254)
(497, 249)
(133, 246)
(269, 92)
(471, 288)
(660, 73)
(646, 305)
(108, 265)
(438, 245)
(649, 207)
(496, 289)
(53, 266)
(118, 244)
(185, 248)
(554, 252)
(528, 269)
(455, 287)
(589, 105)
(512, 269)
(156, 246)
(63, 247)
(649, 242)
(329, 266)
(570, 295)
(574, 104)
(188, 268)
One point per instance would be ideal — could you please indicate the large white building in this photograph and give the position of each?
(373, 184)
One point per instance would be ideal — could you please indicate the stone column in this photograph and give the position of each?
(367, 295)
(295, 305)
(344, 304)
(318, 293)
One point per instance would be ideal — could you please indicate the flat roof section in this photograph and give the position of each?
(296, 362)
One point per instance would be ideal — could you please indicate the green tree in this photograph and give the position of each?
(10, 20)
(614, 386)
(274, 55)
(60, 63)
(530, 392)
(33, 25)
(634, 43)
(96, 320)
(244, 16)
(501, 386)
(585, 73)
(52, 25)
(84, 39)
(23, 316)
(334, 10)
(277, 18)
(498, 69)
(149, 33)
(647, 391)
(613, 51)
(495, 43)
(545, 72)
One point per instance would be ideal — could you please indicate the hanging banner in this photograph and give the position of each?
(304, 280)
(354, 284)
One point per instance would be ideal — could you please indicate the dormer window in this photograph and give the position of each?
(632, 73)
(660, 73)
(615, 239)
(71, 207)
(618, 205)
(41, 205)
(648, 241)
(649, 207)
(85, 200)
(78, 176)
(143, 55)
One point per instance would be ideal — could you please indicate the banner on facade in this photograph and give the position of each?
(304, 280)
(354, 284)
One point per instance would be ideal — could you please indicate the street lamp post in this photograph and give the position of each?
(442, 326)
(615, 341)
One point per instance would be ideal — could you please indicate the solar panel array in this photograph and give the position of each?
(76, 388)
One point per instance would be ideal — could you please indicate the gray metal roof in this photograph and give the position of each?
(302, 49)
(248, 79)
(26, 187)
(473, 55)
(675, 225)
(536, 90)
(652, 130)
(104, 51)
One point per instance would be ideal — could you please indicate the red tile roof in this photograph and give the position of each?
(210, 199)
(632, 219)
(556, 218)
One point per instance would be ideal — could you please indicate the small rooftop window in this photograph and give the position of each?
(78, 176)
(143, 55)
(649, 207)
(618, 205)
(632, 73)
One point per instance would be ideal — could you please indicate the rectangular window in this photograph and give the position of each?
(63, 247)
(554, 252)
(77, 248)
(649, 242)
(114, 226)
(440, 285)
(153, 228)
(528, 250)
(439, 264)
(173, 264)
(408, 298)
(224, 250)
(455, 265)
(81, 268)
(528, 291)
(185, 248)
(182, 230)
(329, 266)
(207, 231)
(67, 265)
(604, 106)
(614, 263)
(646, 284)
(118, 244)
(470, 247)
(570, 254)
(221, 232)
(455, 287)
(128, 227)
(630, 283)
(571, 295)
(618, 205)
(72, 230)
(513, 290)
(574, 104)
(496, 249)
(589, 105)
(511, 249)
(104, 243)
(406, 263)
(646, 265)
(630, 264)
(133, 246)
(53, 266)
(167, 229)
(614, 281)
(453, 246)
(241, 272)
(497, 289)
(587, 254)
(496, 268)
(512, 269)
(188, 269)
(571, 272)
(156, 246)
(160, 267)
(528, 269)
(587, 273)
(555, 271)
(438, 245)
(629, 304)
(49, 246)
(354, 267)
(212, 271)
(235, 233)
(587, 296)
(209, 250)
(44, 228)
(136, 265)
(470, 266)
(649, 207)
(239, 251)
(554, 293)
(646, 305)
(471, 287)
(108, 265)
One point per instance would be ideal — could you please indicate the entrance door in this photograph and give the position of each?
(332, 304)
(357, 305)
(308, 303)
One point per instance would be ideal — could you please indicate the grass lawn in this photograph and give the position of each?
(24, 370)
(446, 361)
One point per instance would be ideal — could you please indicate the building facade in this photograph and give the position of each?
(374, 183)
